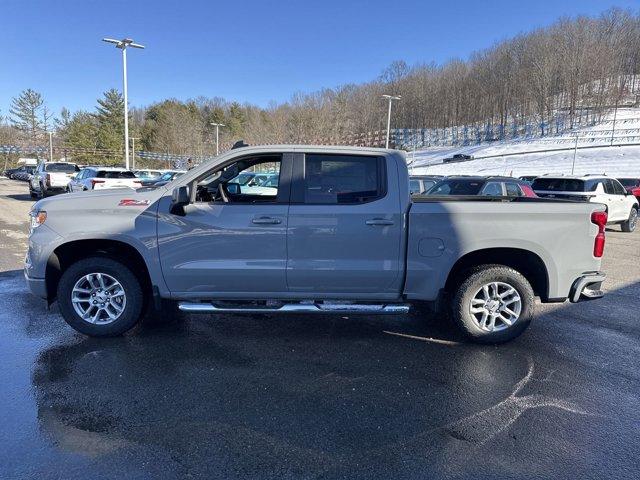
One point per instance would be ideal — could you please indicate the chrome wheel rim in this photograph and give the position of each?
(495, 306)
(98, 298)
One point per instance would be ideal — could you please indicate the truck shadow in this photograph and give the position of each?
(324, 395)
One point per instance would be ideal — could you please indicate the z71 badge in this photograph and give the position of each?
(130, 202)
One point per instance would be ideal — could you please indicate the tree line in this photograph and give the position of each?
(581, 66)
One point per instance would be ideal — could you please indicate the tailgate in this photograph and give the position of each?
(59, 179)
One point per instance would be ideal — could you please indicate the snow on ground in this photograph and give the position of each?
(613, 160)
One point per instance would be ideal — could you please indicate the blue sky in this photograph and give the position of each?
(250, 51)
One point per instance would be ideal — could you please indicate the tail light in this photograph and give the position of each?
(48, 179)
(600, 219)
(528, 191)
(94, 181)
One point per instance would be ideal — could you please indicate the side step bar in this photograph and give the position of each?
(389, 308)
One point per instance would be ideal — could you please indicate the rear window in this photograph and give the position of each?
(457, 187)
(559, 184)
(116, 174)
(61, 167)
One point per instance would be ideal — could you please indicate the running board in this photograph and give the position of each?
(390, 308)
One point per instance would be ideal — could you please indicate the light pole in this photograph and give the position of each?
(50, 146)
(122, 45)
(575, 150)
(390, 98)
(217, 125)
(133, 152)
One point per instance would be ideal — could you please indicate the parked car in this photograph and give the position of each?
(51, 177)
(148, 174)
(632, 185)
(486, 186)
(622, 206)
(162, 179)
(340, 234)
(20, 173)
(103, 178)
(419, 184)
(528, 178)
(458, 157)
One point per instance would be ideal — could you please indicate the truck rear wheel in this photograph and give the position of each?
(493, 304)
(630, 224)
(100, 297)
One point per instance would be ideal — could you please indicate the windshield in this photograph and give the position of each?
(629, 182)
(115, 174)
(559, 184)
(243, 178)
(61, 167)
(456, 187)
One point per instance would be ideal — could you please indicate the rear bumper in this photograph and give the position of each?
(587, 287)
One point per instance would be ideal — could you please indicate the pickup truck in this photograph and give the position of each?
(339, 234)
(51, 177)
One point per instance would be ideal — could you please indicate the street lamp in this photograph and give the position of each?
(50, 146)
(133, 152)
(391, 98)
(217, 125)
(122, 45)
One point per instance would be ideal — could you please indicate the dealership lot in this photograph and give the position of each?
(322, 396)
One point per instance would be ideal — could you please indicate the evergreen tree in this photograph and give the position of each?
(29, 114)
(110, 122)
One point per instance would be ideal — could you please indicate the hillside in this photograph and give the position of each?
(536, 156)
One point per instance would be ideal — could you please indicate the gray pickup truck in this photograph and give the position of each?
(335, 230)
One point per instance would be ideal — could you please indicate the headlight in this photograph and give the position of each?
(37, 217)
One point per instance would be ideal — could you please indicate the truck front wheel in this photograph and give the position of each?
(100, 297)
(493, 304)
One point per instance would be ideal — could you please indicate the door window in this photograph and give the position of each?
(493, 189)
(250, 180)
(513, 189)
(342, 179)
(617, 188)
(608, 187)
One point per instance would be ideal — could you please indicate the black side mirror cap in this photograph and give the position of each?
(180, 198)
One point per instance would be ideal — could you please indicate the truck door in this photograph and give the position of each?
(345, 226)
(232, 247)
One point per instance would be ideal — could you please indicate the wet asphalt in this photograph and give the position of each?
(268, 396)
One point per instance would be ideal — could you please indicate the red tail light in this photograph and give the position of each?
(528, 191)
(600, 219)
(48, 179)
(94, 181)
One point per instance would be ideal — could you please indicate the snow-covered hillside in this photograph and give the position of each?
(613, 160)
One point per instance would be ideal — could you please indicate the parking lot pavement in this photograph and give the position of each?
(257, 396)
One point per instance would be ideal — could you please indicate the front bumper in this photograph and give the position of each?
(37, 286)
(587, 287)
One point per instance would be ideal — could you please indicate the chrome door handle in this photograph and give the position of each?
(266, 221)
(379, 222)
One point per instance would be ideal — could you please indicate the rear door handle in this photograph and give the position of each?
(266, 221)
(379, 221)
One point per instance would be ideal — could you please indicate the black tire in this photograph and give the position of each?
(135, 301)
(632, 221)
(471, 283)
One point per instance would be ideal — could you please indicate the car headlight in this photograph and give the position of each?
(37, 217)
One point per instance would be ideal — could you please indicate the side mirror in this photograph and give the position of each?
(233, 188)
(179, 199)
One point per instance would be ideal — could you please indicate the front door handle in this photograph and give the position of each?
(266, 221)
(379, 221)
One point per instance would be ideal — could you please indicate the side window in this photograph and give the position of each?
(608, 186)
(493, 189)
(343, 179)
(249, 180)
(513, 189)
(414, 186)
(617, 188)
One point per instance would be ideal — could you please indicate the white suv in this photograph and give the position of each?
(622, 206)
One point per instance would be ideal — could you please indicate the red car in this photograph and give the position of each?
(632, 185)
